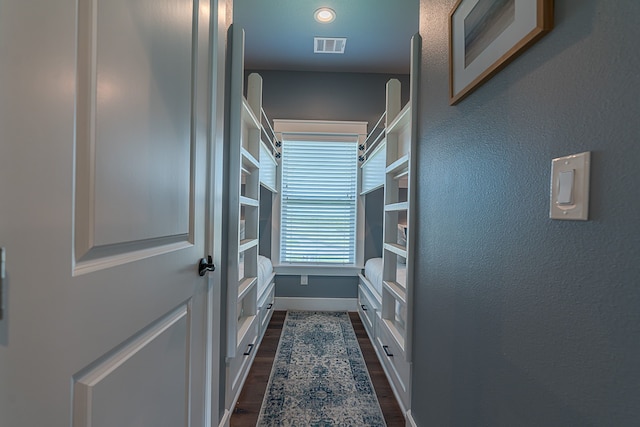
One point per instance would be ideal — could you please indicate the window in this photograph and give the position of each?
(318, 201)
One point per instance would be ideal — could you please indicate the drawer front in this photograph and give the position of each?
(367, 311)
(266, 310)
(394, 360)
(239, 365)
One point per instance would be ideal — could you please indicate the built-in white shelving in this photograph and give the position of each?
(243, 320)
(388, 318)
(249, 303)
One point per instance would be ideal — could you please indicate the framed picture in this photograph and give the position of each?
(485, 35)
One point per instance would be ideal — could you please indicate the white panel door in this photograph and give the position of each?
(104, 126)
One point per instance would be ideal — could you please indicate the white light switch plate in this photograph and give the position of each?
(570, 202)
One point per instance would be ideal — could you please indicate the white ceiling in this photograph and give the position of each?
(279, 34)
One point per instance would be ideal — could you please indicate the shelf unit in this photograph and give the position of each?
(396, 214)
(243, 323)
(395, 319)
(245, 171)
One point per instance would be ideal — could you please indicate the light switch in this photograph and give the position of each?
(570, 187)
(565, 187)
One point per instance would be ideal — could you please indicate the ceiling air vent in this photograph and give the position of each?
(329, 44)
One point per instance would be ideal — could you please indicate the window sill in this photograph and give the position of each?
(317, 270)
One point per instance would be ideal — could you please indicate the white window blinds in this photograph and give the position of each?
(318, 212)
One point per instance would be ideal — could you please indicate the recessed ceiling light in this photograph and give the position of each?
(324, 15)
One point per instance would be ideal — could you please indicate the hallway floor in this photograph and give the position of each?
(247, 408)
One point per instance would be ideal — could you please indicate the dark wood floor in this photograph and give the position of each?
(247, 409)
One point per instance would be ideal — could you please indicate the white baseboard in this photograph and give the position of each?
(410, 421)
(226, 419)
(316, 304)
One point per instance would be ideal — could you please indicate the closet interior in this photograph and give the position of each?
(387, 175)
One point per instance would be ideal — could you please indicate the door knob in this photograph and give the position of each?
(206, 264)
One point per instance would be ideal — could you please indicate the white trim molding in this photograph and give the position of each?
(314, 127)
(226, 419)
(410, 422)
(316, 304)
(317, 270)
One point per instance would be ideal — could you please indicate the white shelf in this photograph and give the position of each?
(396, 249)
(396, 207)
(403, 174)
(249, 161)
(247, 244)
(248, 201)
(397, 290)
(399, 165)
(245, 286)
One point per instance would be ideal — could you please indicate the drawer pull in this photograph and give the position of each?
(269, 306)
(249, 350)
(386, 351)
(364, 307)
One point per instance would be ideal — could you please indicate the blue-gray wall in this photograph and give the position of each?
(318, 287)
(522, 320)
(326, 96)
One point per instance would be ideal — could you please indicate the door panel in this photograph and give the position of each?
(104, 394)
(104, 126)
(134, 148)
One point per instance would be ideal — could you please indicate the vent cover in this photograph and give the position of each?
(329, 44)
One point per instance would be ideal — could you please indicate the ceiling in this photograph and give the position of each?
(279, 34)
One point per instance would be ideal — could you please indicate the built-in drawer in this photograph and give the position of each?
(265, 307)
(239, 365)
(393, 359)
(367, 310)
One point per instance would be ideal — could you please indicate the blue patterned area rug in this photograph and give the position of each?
(319, 377)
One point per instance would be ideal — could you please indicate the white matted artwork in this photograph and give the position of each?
(485, 35)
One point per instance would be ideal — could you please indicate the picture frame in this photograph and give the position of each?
(486, 35)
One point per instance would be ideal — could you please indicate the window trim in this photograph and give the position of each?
(313, 129)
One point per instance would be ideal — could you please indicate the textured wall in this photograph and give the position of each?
(523, 320)
(318, 287)
(326, 96)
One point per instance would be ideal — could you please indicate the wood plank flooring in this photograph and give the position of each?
(247, 409)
